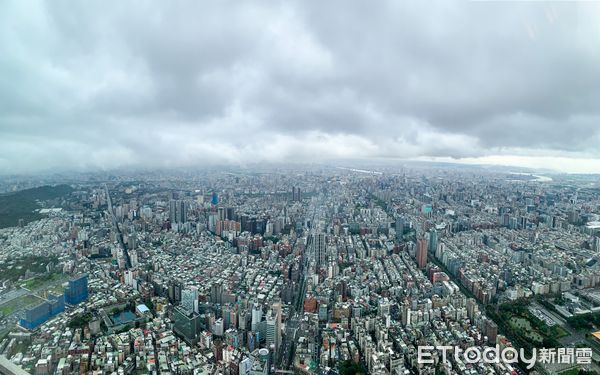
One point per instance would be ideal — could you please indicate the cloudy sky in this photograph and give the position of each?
(87, 85)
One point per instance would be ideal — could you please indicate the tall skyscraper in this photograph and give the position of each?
(296, 194)
(177, 211)
(189, 298)
(399, 226)
(256, 316)
(421, 255)
(596, 243)
(320, 249)
(36, 315)
(56, 303)
(433, 241)
(273, 332)
(187, 324)
(243, 318)
(216, 292)
(278, 311)
(406, 314)
(172, 210)
(77, 291)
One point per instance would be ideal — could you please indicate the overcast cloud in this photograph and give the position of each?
(92, 85)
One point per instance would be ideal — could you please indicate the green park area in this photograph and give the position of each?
(351, 368)
(25, 204)
(18, 303)
(15, 269)
(525, 329)
(50, 282)
(585, 321)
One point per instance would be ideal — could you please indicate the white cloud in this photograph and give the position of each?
(86, 86)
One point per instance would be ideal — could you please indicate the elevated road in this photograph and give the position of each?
(9, 368)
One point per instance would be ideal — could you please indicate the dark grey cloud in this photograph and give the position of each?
(88, 85)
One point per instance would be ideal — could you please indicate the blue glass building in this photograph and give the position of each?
(38, 314)
(77, 291)
(57, 304)
(35, 315)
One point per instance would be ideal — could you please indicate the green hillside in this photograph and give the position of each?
(23, 204)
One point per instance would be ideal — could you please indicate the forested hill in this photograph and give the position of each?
(24, 204)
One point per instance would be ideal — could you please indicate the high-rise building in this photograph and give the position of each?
(56, 303)
(132, 242)
(296, 194)
(491, 331)
(244, 319)
(226, 316)
(218, 327)
(174, 292)
(189, 298)
(172, 210)
(177, 211)
(596, 243)
(38, 314)
(320, 249)
(256, 316)
(406, 314)
(323, 312)
(230, 213)
(273, 332)
(252, 340)
(421, 255)
(278, 311)
(216, 292)
(188, 325)
(77, 291)
(433, 241)
(182, 212)
(399, 226)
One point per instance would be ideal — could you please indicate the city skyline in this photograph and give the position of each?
(293, 187)
(311, 270)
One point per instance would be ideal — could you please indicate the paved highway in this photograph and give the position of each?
(117, 229)
(288, 347)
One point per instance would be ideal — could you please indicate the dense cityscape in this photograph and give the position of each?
(317, 269)
(300, 187)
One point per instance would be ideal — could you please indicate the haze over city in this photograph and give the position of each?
(300, 187)
(87, 87)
